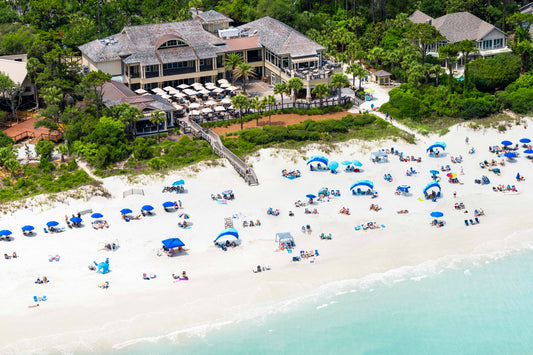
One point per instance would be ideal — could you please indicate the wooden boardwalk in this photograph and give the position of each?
(26, 130)
(208, 135)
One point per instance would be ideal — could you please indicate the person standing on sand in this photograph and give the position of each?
(467, 140)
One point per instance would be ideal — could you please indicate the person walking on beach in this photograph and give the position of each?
(467, 140)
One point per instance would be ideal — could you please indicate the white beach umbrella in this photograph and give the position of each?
(232, 88)
(183, 86)
(168, 88)
(194, 105)
(218, 90)
(140, 91)
(226, 100)
(225, 85)
(190, 92)
(165, 96)
(177, 107)
(207, 110)
(204, 92)
(222, 81)
(219, 108)
(195, 113)
(210, 103)
(179, 95)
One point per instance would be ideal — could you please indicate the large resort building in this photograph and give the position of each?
(170, 54)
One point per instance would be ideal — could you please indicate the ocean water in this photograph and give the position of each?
(477, 304)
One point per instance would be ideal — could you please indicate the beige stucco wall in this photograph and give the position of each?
(112, 67)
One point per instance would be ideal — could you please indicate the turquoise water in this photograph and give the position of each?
(476, 306)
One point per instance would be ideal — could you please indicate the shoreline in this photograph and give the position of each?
(221, 285)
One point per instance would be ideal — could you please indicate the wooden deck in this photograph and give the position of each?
(25, 130)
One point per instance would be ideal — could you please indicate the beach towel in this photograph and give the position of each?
(222, 202)
(188, 227)
(382, 226)
(419, 199)
(289, 251)
(290, 177)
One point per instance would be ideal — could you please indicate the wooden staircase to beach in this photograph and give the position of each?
(213, 139)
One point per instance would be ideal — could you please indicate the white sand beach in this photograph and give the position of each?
(80, 316)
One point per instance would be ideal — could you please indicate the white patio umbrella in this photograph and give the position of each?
(225, 85)
(165, 96)
(210, 103)
(232, 88)
(195, 113)
(218, 90)
(168, 88)
(204, 92)
(141, 91)
(179, 95)
(194, 105)
(226, 100)
(209, 83)
(183, 86)
(190, 92)
(177, 107)
(221, 81)
(219, 108)
(207, 110)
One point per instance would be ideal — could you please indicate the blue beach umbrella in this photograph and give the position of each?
(525, 140)
(5, 232)
(528, 151)
(125, 211)
(436, 214)
(147, 208)
(76, 220)
(173, 243)
(506, 143)
(510, 155)
(434, 172)
(52, 224)
(346, 162)
(27, 228)
(357, 163)
(179, 182)
(168, 204)
(97, 215)
(310, 196)
(333, 165)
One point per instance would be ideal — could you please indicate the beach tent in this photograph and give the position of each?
(228, 232)
(147, 208)
(432, 185)
(378, 157)
(318, 159)
(284, 238)
(436, 145)
(173, 243)
(366, 183)
(178, 182)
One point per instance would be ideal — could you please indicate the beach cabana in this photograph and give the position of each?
(379, 157)
(434, 149)
(285, 240)
(432, 191)
(356, 188)
(170, 244)
(318, 159)
(223, 237)
(178, 182)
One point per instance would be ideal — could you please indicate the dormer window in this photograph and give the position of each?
(173, 43)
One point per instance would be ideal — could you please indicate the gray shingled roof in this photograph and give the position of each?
(137, 44)
(419, 17)
(213, 16)
(457, 26)
(281, 39)
(115, 93)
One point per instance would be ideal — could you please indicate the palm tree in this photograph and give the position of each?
(34, 67)
(157, 117)
(245, 71)
(241, 103)
(281, 88)
(321, 91)
(62, 149)
(269, 100)
(466, 47)
(339, 80)
(257, 105)
(358, 72)
(449, 53)
(232, 61)
(295, 84)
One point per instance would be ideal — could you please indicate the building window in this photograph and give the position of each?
(498, 43)
(487, 44)
(173, 43)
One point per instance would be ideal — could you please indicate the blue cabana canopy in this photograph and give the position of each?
(506, 143)
(27, 228)
(528, 151)
(280, 237)
(440, 145)
(76, 220)
(173, 243)
(510, 155)
(5, 232)
(168, 204)
(52, 224)
(436, 214)
(147, 208)
(317, 159)
(333, 165)
(125, 211)
(366, 183)
(97, 215)
(346, 162)
(431, 185)
(228, 232)
(310, 196)
(525, 140)
(178, 182)
(434, 172)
